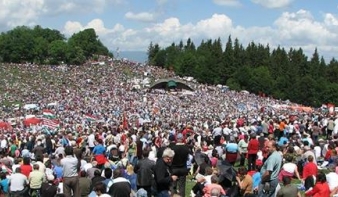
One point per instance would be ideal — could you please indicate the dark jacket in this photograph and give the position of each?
(162, 175)
(144, 170)
(179, 164)
(120, 188)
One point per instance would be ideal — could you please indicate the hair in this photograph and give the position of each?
(108, 173)
(117, 173)
(215, 192)
(3, 175)
(242, 171)
(288, 158)
(26, 161)
(286, 180)
(100, 187)
(310, 158)
(69, 150)
(214, 179)
(321, 177)
(97, 173)
(168, 153)
(83, 173)
(36, 166)
(145, 153)
(18, 170)
(39, 158)
(208, 170)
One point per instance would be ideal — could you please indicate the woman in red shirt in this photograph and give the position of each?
(321, 187)
(26, 167)
(253, 148)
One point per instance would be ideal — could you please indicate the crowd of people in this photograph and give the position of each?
(109, 138)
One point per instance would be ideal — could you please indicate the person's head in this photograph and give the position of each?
(286, 180)
(97, 173)
(18, 170)
(108, 173)
(36, 166)
(214, 179)
(83, 173)
(321, 177)
(69, 150)
(288, 158)
(208, 170)
(215, 192)
(272, 146)
(168, 155)
(26, 161)
(117, 173)
(242, 171)
(310, 158)
(3, 175)
(100, 188)
(145, 153)
(39, 158)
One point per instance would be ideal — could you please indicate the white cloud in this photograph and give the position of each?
(298, 29)
(273, 3)
(227, 2)
(17, 12)
(142, 16)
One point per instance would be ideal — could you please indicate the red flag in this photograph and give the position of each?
(125, 121)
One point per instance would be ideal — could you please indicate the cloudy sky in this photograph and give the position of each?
(131, 25)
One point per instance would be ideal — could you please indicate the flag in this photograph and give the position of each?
(48, 114)
(125, 121)
(52, 124)
(90, 118)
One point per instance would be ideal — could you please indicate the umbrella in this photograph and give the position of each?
(4, 125)
(200, 158)
(226, 172)
(31, 121)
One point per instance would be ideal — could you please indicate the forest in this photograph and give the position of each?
(280, 73)
(47, 46)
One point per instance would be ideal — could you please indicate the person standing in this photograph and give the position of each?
(179, 165)
(71, 167)
(253, 148)
(243, 149)
(269, 171)
(163, 174)
(145, 170)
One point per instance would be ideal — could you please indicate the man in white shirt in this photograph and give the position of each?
(332, 178)
(18, 182)
(91, 141)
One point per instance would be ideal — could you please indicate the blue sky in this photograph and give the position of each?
(131, 25)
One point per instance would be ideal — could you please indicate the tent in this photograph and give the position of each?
(4, 125)
(31, 121)
(170, 83)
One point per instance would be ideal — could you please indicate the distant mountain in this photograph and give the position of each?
(137, 56)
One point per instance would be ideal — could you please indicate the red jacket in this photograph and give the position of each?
(310, 169)
(319, 190)
(253, 146)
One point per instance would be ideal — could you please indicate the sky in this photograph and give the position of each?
(130, 25)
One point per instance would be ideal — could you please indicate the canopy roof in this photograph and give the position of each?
(170, 83)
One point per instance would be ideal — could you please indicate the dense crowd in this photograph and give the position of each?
(87, 131)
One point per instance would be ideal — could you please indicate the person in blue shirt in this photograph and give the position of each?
(282, 141)
(4, 183)
(99, 149)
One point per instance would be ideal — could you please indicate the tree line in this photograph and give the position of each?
(48, 46)
(278, 73)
